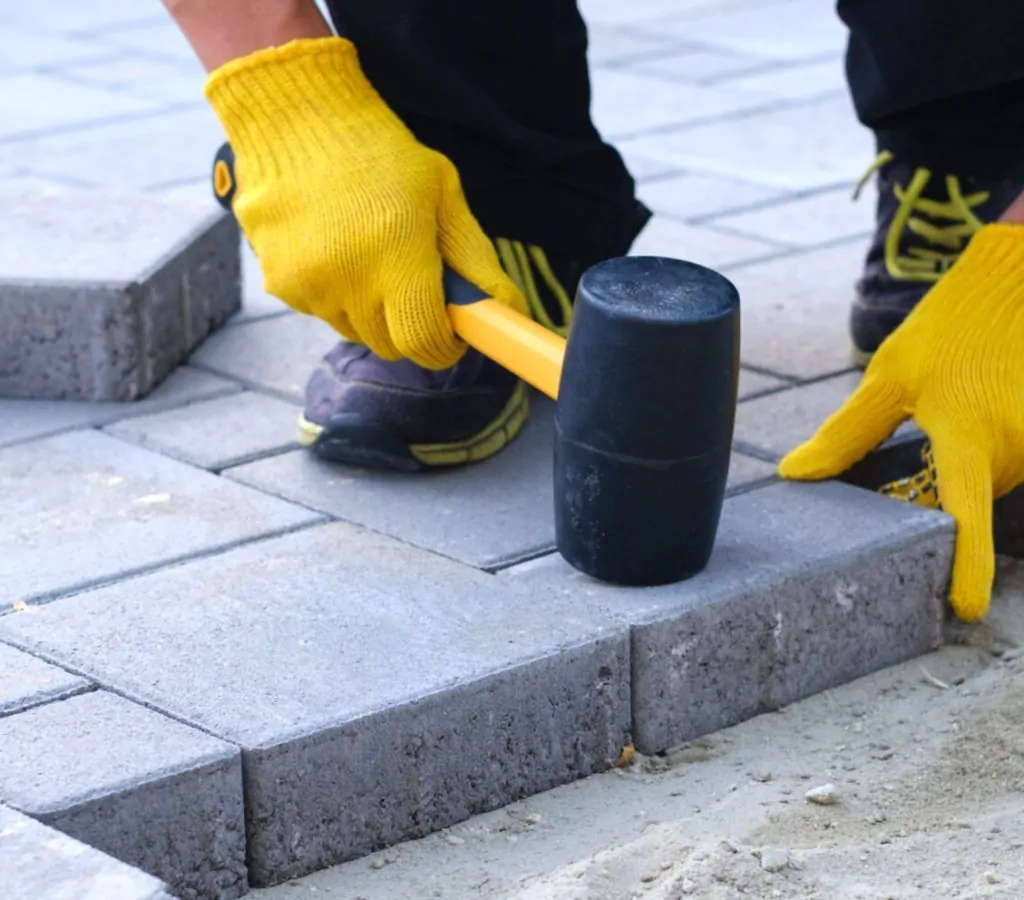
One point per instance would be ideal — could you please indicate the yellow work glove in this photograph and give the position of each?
(349, 215)
(956, 366)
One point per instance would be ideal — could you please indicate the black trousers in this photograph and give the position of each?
(503, 89)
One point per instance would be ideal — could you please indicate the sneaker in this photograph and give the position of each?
(923, 223)
(368, 412)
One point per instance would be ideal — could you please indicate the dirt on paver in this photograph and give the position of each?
(916, 775)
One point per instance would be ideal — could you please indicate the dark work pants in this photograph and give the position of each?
(502, 88)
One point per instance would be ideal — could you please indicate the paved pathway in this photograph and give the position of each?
(198, 604)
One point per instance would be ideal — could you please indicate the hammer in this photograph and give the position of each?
(645, 386)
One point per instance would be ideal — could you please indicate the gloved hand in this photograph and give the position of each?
(956, 366)
(349, 215)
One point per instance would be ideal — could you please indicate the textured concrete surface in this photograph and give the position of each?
(147, 790)
(215, 434)
(473, 515)
(133, 510)
(40, 863)
(102, 296)
(26, 681)
(22, 420)
(809, 586)
(320, 654)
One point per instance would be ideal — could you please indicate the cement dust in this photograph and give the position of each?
(930, 784)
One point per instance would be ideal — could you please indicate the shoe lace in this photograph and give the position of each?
(947, 241)
(525, 264)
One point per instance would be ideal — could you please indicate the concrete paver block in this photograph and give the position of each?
(27, 681)
(22, 420)
(276, 355)
(694, 195)
(809, 586)
(143, 788)
(131, 510)
(379, 693)
(666, 237)
(40, 863)
(215, 434)
(103, 294)
(488, 515)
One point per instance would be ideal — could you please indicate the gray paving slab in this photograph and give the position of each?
(753, 383)
(814, 144)
(809, 586)
(378, 692)
(701, 64)
(806, 221)
(29, 48)
(179, 145)
(22, 420)
(628, 103)
(790, 30)
(71, 16)
(158, 38)
(615, 12)
(82, 508)
(104, 295)
(693, 195)
(666, 237)
(608, 45)
(134, 784)
(793, 82)
(27, 681)
(276, 355)
(33, 103)
(159, 80)
(41, 863)
(215, 434)
(488, 515)
(796, 310)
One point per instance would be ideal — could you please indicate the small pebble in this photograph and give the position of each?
(774, 860)
(823, 795)
(647, 879)
(377, 864)
(687, 886)
(454, 839)
(532, 819)
(763, 777)
(666, 864)
(992, 878)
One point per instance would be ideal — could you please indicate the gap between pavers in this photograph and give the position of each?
(27, 681)
(378, 692)
(41, 863)
(145, 789)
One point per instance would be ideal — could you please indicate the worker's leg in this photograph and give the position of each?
(942, 86)
(503, 90)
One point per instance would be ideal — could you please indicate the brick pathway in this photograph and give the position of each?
(205, 609)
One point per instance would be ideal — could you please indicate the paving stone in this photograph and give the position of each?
(627, 103)
(795, 29)
(643, 169)
(693, 195)
(489, 515)
(806, 221)
(22, 420)
(132, 510)
(179, 146)
(147, 78)
(666, 237)
(70, 16)
(35, 102)
(809, 586)
(26, 48)
(40, 863)
(134, 784)
(745, 471)
(796, 310)
(215, 434)
(699, 65)
(256, 302)
(798, 82)
(755, 383)
(318, 654)
(608, 45)
(103, 297)
(157, 38)
(615, 12)
(27, 681)
(276, 354)
(814, 144)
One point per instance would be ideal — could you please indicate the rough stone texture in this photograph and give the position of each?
(226, 431)
(26, 681)
(132, 510)
(103, 293)
(40, 863)
(276, 354)
(149, 791)
(489, 515)
(22, 420)
(809, 586)
(379, 693)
